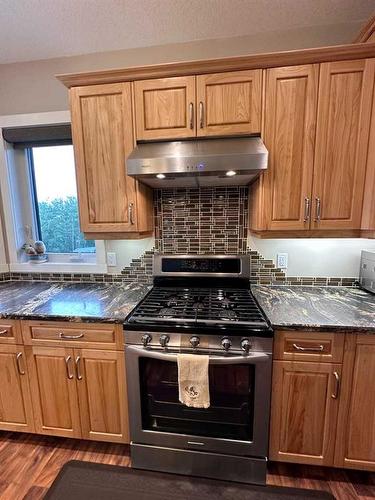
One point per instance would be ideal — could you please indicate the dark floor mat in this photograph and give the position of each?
(90, 481)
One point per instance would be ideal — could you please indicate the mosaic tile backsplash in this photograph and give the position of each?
(196, 221)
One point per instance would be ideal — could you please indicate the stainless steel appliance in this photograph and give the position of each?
(367, 270)
(202, 162)
(201, 305)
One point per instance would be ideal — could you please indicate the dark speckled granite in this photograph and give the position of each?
(69, 301)
(325, 308)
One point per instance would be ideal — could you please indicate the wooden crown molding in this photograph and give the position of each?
(366, 32)
(255, 61)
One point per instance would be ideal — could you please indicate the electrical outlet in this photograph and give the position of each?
(282, 260)
(111, 259)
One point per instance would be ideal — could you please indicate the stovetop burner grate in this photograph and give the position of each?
(199, 306)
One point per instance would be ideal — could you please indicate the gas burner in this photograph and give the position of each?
(172, 302)
(167, 312)
(226, 303)
(228, 315)
(199, 303)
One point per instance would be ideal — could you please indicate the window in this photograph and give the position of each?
(39, 194)
(55, 200)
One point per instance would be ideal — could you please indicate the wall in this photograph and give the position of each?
(32, 87)
(317, 256)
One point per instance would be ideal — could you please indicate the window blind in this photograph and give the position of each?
(41, 135)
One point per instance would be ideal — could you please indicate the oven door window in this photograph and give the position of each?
(230, 415)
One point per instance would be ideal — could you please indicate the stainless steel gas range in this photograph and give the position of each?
(200, 305)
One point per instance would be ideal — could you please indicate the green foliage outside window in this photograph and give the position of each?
(59, 226)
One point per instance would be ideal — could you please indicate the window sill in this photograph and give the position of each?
(57, 267)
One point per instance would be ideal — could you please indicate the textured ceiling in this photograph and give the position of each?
(41, 29)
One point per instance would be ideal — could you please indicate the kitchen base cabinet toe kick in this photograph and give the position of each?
(323, 399)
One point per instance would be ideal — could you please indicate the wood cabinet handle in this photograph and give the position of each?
(69, 374)
(201, 114)
(307, 210)
(319, 348)
(318, 209)
(21, 370)
(191, 113)
(78, 368)
(131, 213)
(70, 337)
(336, 393)
(3, 332)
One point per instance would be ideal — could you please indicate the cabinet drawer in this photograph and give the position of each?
(66, 334)
(10, 332)
(309, 346)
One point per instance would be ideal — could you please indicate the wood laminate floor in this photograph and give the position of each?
(29, 464)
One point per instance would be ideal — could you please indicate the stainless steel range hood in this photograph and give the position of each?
(198, 163)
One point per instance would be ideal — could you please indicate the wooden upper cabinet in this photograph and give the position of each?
(368, 211)
(103, 137)
(304, 412)
(291, 96)
(355, 440)
(229, 103)
(165, 108)
(344, 112)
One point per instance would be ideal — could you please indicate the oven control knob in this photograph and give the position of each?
(226, 343)
(194, 341)
(245, 345)
(146, 339)
(164, 339)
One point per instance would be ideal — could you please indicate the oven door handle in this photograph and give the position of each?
(213, 360)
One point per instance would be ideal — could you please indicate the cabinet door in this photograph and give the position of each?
(102, 395)
(355, 440)
(344, 111)
(229, 103)
(103, 138)
(54, 392)
(289, 134)
(304, 412)
(15, 403)
(165, 108)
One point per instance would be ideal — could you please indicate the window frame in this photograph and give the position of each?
(94, 263)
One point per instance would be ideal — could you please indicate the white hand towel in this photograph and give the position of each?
(193, 384)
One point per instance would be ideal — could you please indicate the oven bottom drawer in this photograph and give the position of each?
(198, 463)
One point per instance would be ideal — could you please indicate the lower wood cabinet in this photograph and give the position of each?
(101, 393)
(15, 402)
(79, 393)
(323, 413)
(54, 392)
(304, 411)
(355, 440)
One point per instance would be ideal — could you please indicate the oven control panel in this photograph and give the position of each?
(196, 343)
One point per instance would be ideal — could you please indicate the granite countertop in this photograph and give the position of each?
(325, 308)
(69, 301)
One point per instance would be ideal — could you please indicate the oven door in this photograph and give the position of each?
(237, 420)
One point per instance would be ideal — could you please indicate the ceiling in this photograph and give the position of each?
(42, 29)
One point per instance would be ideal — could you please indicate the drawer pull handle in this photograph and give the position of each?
(78, 368)
(69, 374)
(318, 210)
(21, 370)
(335, 395)
(3, 332)
(131, 213)
(70, 337)
(319, 348)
